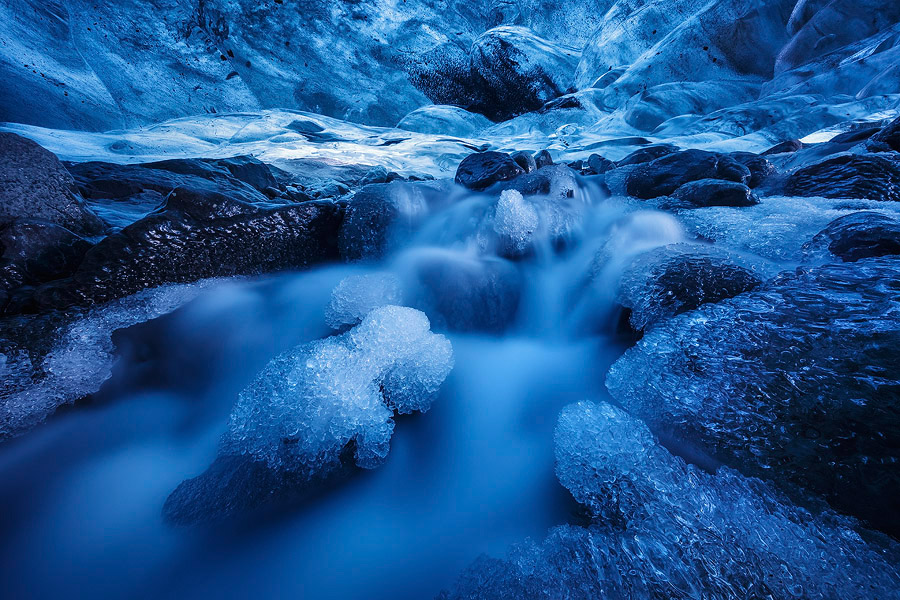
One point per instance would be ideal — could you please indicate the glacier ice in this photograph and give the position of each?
(56, 359)
(662, 529)
(516, 221)
(857, 235)
(795, 382)
(309, 403)
(676, 278)
(777, 228)
(358, 295)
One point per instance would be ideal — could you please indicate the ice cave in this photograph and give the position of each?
(450, 299)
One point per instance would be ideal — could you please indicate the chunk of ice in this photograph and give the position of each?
(311, 402)
(516, 220)
(358, 295)
(663, 529)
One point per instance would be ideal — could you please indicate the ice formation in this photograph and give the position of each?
(723, 172)
(61, 359)
(664, 529)
(358, 295)
(515, 220)
(795, 382)
(676, 278)
(309, 403)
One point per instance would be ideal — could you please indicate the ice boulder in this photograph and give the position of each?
(795, 382)
(777, 228)
(515, 221)
(440, 119)
(673, 279)
(358, 295)
(318, 410)
(664, 175)
(661, 529)
(873, 177)
(858, 235)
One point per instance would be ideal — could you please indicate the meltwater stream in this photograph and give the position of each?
(84, 493)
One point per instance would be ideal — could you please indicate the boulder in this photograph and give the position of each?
(482, 169)
(176, 247)
(795, 382)
(461, 293)
(872, 177)
(522, 71)
(598, 165)
(379, 217)
(887, 139)
(785, 147)
(543, 159)
(664, 175)
(859, 235)
(524, 160)
(677, 278)
(644, 155)
(714, 192)
(760, 167)
(34, 185)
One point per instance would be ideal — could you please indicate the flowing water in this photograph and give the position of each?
(83, 494)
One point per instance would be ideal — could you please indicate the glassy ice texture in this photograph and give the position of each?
(796, 382)
(673, 279)
(515, 220)
(663, 529)
(58, 359)
(358, 295)
(706, 190)
(308, 404)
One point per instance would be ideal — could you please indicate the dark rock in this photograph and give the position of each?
(250, 170)
(855, 135)
(760, 167)
(644, 155)
(598, 165)
(203, 188)
(888, 139)
(446, 76)
(662, 176)
(860, 235)
(525, 161)
(175, 247)
(784, 148)
(461, 293)
(714, 192)
(380, 216)
(555, 181)
(872, 177)
(577, 165)
(34, 252)
(673, 279)
(35, 185)
(235, 487)
(567, 102)
(543, 159)
(480, 170)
